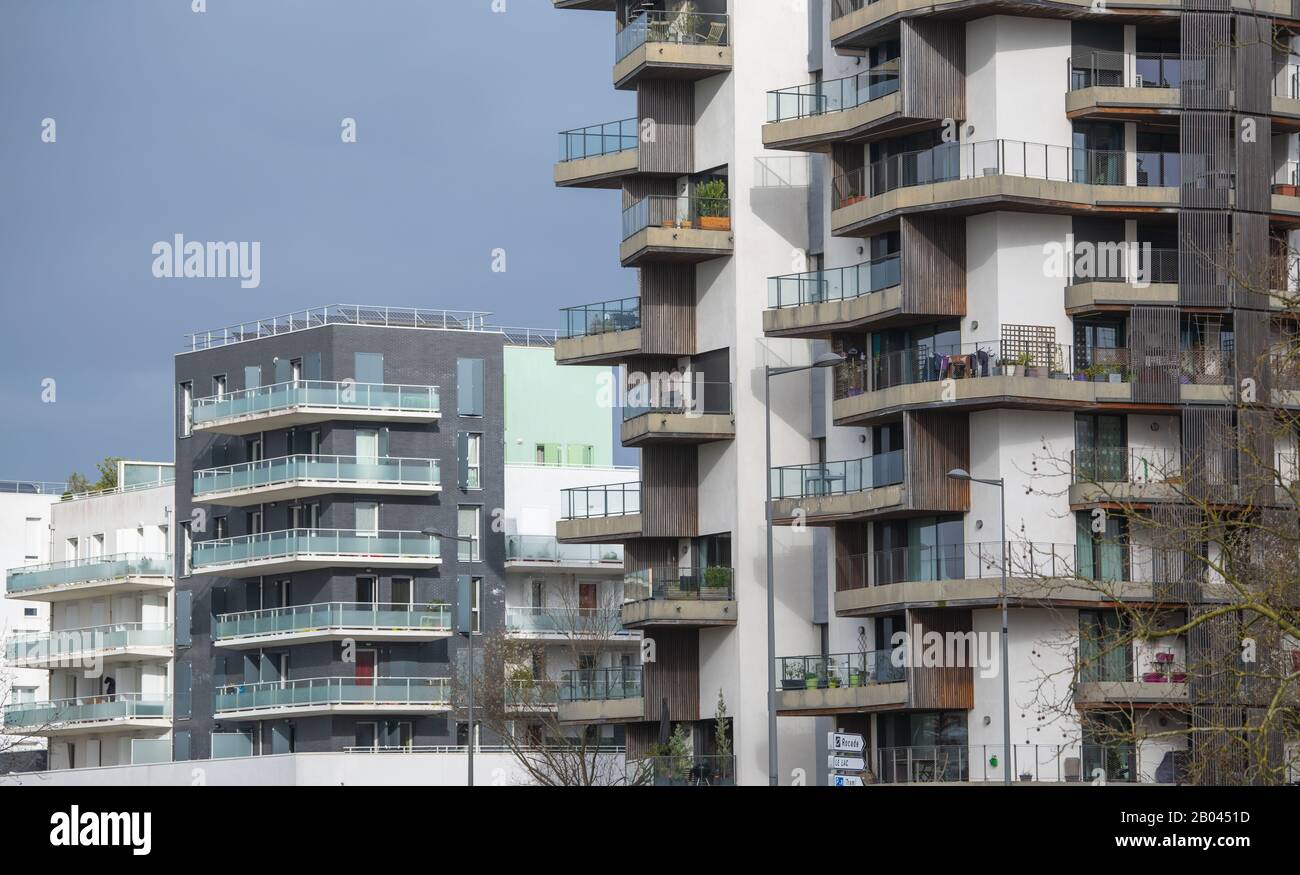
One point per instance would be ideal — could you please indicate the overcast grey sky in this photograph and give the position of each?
(226, 126)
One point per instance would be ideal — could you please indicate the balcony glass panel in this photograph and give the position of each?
(682, 27)
(600, 684)
(838, 670)
(838, 284)
(315, 692)
(596, 140)
(546, 548)
(102, 568)
(587, 502)
(315, 393)
(87, 709)
(673, 583)
(677, 211)
(331, 469)
(687, 397)
(29, 646)
(334, 615)
(323, 542)
(837, 478)
(607, 316)
(834, 95)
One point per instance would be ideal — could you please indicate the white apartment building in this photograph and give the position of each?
(107, 644)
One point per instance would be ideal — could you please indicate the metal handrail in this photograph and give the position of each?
(610, 499)
(673, 583)
(340, 395)
(687, 396)
(835, 284)
(596, 140)
(601, 684)
(833, 95)
(306, 692)
(340, 542)
(829, 671)
(301, 466)
(89, 569)
(371, 616)
(820, 479)
(622, 314)
(677, 211)
(681, 27)
(1125, 465)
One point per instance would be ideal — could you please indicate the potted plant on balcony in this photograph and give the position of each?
(711, 205)
(1028, 366)
(715, 579)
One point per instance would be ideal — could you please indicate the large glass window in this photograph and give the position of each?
(367, 518)
(468, 528)
(369, 367)
(469, 387)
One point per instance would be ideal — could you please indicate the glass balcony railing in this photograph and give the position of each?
(1125, 465)
(834, 95)
(548, 550)
(819, 480)
(686, 397)
(96, 570)
(560, 620)
(1121, 263)
(35, 716)
(1030, 763)
(380, 397)
(682, 27)
(290, 543)
(838, 670)
(596, 140)
(333, 616)
(433, 693)
(288, 470)
(603, 318)
(45, 646)
(683, 771)
(838, 284)
(588, 502)
(677, 211)
(600, 684)
(929, 364)
(1159, 169)
(1107, 69)
(529, 694)
(673, 583)
(841, 8)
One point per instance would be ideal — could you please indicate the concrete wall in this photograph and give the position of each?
(24, 540)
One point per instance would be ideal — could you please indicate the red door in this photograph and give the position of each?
(365, 668)
(587, 597)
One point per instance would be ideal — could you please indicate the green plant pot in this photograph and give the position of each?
(810, 683)
(855, 680)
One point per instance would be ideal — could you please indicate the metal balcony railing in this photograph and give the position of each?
(52, 646)
(327, 469)
(600, 684)
(841, 8)
(337, 616)
(1125, 465)
(560, 620)
(822, 479)
(933, 363)
(596, 140)
(672, 583)
(91, 570)
(340, 314)
(1112, 70)
(623, 314)
(677, 211)
(547, 549)
(685, 397)
(682, 27)
(838, 670)
(288, 543)
(433, 693)
(531, 694)
(835, 284)
(833, 95)
(588, 502)
(1124, 263)
(31, 716)
(316, 393)
(1030, 763)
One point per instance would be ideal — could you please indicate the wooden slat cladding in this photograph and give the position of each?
(1153, 345)
(668, 309)
(933, 68)
(1209, 453)
(1254, 174)
(934, 265)
(1252, 268)
(669, 492)
(847, 158)
(1204, 258)
(669, 105)
(936, 442)
(1205, 147)
(642, 554)
(674, 676)
(850, 548)
(947, 685)
(1206, 45)
(1253, 64)
(637, 188)
(641, 739)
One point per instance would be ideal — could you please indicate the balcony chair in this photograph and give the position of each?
(716, 32)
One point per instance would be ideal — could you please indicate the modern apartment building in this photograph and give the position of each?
(24, 540)
(960, 161)
(105, 643)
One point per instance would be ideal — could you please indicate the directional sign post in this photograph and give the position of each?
(847, 781)
(847, 749)
(846, 742)
(839, 763)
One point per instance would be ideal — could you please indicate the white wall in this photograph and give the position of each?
(24, 540)
(1016, 80)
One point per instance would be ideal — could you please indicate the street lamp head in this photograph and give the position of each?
(959, 474)
(828, 360)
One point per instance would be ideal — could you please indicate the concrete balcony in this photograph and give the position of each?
(531, 696)
(811, 118)
(593, 5)
(824, 494)
(676, 230)
(815, 304)
(546, 553)
(692, 412)
(303, 402)
(292, 550)
(672, 45)
(112, 643)
(969, 178)
(602, 695)
(333, 695)
(690, 598)
(607, 333)
(598, 156)
(90, 578)
(90, 714)
(843, 683)
(1121, 694)
(1142, 476)
(600, 514)
(332, 621)
(292, 477)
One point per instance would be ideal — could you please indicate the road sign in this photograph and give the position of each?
(847, 781)
(846, 742)
(846, 764)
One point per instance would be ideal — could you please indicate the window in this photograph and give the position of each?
(184, 688)
(476, 588)
(305, 516)
(187, 545)
(367, 735)
(252, 377)
(582, 455)
(181, 747)
(24, 695)
(367, 590)
(467, 528)
(367, 518)
(253, 450)
(469, 387)
(367, 446)
(29, 612)
(185, 399)
(219, 528)
(219, 385)
(369, 367)
(254, 520)
(402, 592)
(548, 454)
(470, 462)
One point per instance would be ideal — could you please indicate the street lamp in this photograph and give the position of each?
(469, 670)
(825, 360)
(1000, 483)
